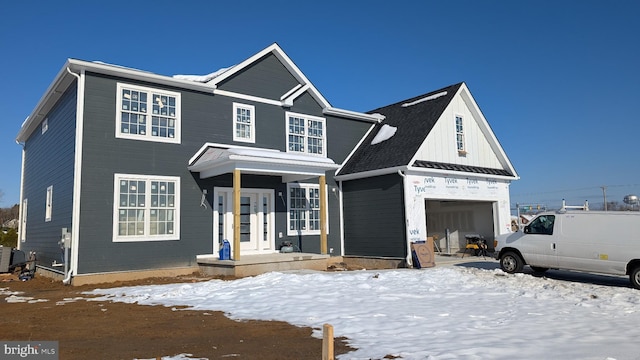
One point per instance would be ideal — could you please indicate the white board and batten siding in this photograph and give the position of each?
(440, 144)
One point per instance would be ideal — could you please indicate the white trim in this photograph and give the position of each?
(371, 173)
(148, 179)
(21, 229)
(375, 118)
(247, 97)
(149, 114)
(293, 89)
(288, 102)
(207, 145)
(252, 123)
(23, 220)
(306, 118)
(77, 173)
(341, 201)
(48, 204)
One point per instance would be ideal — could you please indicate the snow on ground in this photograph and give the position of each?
(456, 312)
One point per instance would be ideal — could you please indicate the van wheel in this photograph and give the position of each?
(539, 269)
(511, 263)
(634, 276)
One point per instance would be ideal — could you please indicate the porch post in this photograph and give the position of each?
(236, 214)
(323, 215)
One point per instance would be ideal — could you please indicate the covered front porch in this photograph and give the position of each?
(244, 213)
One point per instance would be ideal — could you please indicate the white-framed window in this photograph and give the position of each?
(146, 208)
(303, 208)
(306, 134)
(144, 113)
(23, 220)
(45, 125)
(460, 134)
(244, 118)
(49, 204)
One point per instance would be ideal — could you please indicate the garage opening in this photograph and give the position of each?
(448, 221)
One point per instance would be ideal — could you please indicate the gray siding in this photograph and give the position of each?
(266, 78)
(205, 118)
(374, 217)
(48, 161)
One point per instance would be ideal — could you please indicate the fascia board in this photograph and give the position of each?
(375, 118)
(371, 173)
(487, 131)
(63, 79)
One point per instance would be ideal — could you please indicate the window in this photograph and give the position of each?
(45, 125)
(305, 134)
(146, 208)
(49, 203)
(460, 135)
(23, 221)
(543, 224)
(304, 209)
(244, 123)
(147, 114)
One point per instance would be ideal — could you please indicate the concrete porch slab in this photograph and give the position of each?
(251, 265)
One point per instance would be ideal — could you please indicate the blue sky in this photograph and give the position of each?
(558, 81)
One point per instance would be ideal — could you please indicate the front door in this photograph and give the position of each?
(257, 233)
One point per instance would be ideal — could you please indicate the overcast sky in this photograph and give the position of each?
(558, 81)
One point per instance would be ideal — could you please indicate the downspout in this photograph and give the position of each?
(67, 260)
(408, 259)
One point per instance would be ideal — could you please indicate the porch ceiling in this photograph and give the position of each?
(215, 160)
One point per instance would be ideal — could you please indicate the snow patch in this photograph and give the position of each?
(430, 97)
(203, 78)
(385, 133)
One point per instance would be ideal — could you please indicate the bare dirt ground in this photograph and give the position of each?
(107, 330)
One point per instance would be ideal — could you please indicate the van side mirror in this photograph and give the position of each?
(527, 229)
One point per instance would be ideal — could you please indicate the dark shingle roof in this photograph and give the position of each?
(413, 125)
(464, 168)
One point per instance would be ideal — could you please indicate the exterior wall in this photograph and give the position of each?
(440, 145)
(204, 118)
(266, 78)
(49, 161)
(374, 217)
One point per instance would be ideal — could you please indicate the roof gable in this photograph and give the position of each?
(424, 138)
(413, 122)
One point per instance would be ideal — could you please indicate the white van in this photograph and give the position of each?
(590, 241)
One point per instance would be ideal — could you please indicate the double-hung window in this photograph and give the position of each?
(244, 117)
(306, 134)
(303, 209)
(146, 208)
(460, 135)
(147, 114)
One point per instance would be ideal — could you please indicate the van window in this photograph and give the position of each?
(543, 224)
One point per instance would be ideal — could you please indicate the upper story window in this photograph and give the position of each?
(147, 114)
(45, 125)
(146, 208)
(244, 117)
(306, 134)
(460, 135)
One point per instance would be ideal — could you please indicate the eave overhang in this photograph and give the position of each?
(216, 159)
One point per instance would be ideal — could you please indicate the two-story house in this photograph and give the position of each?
(146, 172)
